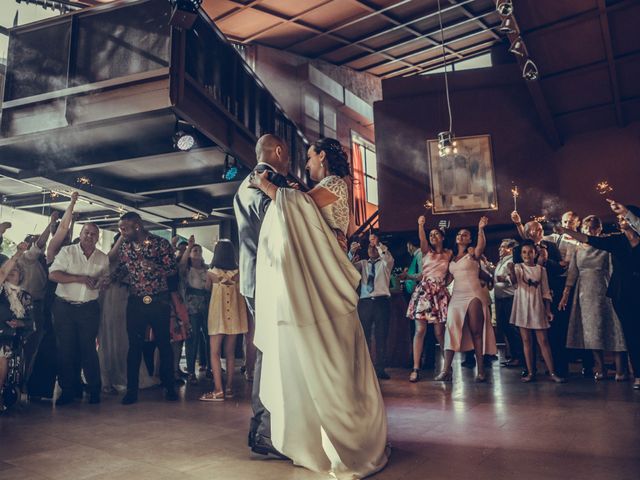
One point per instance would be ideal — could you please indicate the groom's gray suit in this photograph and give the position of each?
(250, 206)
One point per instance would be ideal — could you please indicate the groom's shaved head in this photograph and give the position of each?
(272, 150)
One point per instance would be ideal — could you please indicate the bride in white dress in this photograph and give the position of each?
(318, 381)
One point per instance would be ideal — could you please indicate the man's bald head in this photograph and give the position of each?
(272, 150)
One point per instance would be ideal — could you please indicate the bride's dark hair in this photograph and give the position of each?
(336, 158)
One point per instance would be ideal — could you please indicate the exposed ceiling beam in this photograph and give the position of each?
(182, 183)
(241, 8)
(404, 43)
(467, 13)
(398, 24)
(259, 34)
(313, 29)
(613, 75)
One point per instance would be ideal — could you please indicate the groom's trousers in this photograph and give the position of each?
(374, 315)
(260, 428)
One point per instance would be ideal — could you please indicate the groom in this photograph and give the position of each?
(250, 206)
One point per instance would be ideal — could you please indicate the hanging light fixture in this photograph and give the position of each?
(504, 7)
(446, 140)
(230, 168)
(507, 26)
(518, 48)
(530, 71)
(184, 139)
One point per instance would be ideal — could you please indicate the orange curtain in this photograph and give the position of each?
(359, 193)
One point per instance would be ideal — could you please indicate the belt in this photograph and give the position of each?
(148, 299)
(379, 297)
(75, 304)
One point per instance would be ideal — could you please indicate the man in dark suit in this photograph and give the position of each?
(250, 206)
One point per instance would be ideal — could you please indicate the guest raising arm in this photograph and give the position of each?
(62, 231)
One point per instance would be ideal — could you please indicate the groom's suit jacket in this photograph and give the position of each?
(250, 206)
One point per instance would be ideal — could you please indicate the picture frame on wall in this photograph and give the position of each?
(463, 181)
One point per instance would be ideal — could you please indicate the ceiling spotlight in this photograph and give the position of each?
(507, 26)
(530, 71)
(185, 138)
(518, 48)
(504, 7)
(230, 168)
(447, 144)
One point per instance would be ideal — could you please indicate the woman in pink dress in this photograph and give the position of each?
(430, 298)
(468, 317)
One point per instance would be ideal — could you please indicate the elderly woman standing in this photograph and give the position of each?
(15, 312)
(593, 324)
(625, 282)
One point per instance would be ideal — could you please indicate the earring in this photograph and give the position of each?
(322, 164)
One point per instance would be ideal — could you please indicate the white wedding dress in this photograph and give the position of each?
(318, 381)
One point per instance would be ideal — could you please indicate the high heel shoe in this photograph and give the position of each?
(480, 378)
(557, 379)
(414, 376)
(444, 377)
(528, 379)
(599, 376)
(622, 378)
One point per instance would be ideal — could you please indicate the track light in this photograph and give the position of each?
(530, 70)
(504, 7)
(230, 168)
(518, 48)
(447, 144)
(507, 26)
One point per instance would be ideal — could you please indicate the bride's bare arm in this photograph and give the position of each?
(320, 195)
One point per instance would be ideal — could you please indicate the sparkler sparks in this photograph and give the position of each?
(603, 187)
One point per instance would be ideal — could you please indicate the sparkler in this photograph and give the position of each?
(603, 187)
(428, 205)
(515, 193)
(83, 180)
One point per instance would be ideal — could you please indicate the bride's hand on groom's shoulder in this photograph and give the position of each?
(256, 179)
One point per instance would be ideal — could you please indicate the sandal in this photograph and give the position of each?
(557, 379)
(414, 376)
(228, 393)
(622, 378)
(528, 379)
(480, 378)
(212, 397)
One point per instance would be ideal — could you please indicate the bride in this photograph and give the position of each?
(318, 381)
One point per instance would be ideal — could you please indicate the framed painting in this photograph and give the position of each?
(464, 180)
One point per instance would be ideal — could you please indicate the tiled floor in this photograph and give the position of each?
(499, 430)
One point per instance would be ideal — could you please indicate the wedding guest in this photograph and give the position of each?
(374, 307)
(15, 312)
(227, 318)
(531, 310)
(631, 218)
(548, 256)
(414, 271)
(625, 282)
(146, 261)
(112, 337)
(77, 269)
(193, 272)
(503, 293)
(430, 298)
(64, 229)
(468, 324)
(593, 324)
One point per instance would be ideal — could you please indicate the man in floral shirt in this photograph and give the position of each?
(145, 261)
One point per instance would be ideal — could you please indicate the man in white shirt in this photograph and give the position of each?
(78, 270)
(374, 307)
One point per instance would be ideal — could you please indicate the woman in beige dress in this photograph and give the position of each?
(227, 318)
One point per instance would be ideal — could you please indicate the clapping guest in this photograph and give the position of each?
(430, 298)
(532, 309)
(468, 317)
(625, 282)
(374, 307)
(227, 318)
(193, 273)
(77, 269)
(593, 324)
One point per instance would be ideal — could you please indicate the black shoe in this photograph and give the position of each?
(382, 375)
(129, 398)
(265, 450)
(468, 363)
(94, 398)
(171, 395)
(64, 400)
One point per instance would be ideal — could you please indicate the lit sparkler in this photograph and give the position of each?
(515, 194)
(83, 180)
(603, 187)
(428, 205)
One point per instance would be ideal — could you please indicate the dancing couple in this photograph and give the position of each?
(315, 399)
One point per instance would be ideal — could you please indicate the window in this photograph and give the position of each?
(367, 151)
